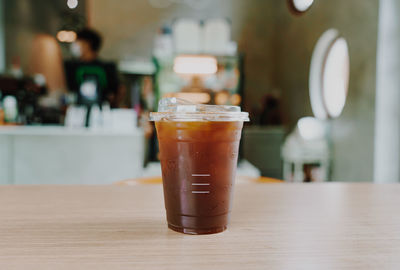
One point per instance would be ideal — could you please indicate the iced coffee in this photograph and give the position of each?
(198, 151)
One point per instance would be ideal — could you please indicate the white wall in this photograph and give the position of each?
(387, 121)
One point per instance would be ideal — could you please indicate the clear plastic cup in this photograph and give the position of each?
(199, 147)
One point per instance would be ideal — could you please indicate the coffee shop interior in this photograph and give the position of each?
(78, 80)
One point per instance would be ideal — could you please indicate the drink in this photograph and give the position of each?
(198, 157)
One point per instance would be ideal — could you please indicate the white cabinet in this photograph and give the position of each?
(58, 155)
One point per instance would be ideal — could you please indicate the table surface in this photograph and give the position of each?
(273, 226)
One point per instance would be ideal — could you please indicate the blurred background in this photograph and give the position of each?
(319, 78)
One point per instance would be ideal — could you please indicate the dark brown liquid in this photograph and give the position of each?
(198, 161)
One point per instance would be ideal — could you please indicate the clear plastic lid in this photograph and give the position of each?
(175, 109)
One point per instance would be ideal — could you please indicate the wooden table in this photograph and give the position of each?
(273, 226)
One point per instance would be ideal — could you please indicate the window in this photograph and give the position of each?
(329, 75)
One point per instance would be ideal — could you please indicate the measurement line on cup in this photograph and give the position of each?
(201, 184)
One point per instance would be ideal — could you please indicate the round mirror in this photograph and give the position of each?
(298, 7)
(329, 75)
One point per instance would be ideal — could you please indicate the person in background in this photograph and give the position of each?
(87, 45)
(93, 80)
(271, 114)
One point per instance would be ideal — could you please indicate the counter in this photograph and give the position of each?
(61, 155)
(273, 226)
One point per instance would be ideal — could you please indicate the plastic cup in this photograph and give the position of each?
(199, 147)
